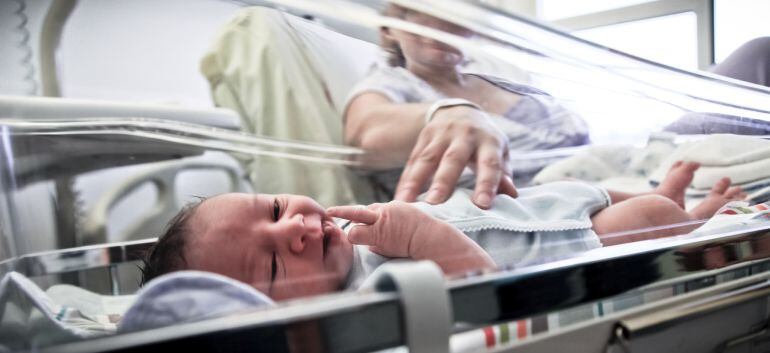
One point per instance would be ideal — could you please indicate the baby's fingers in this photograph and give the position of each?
(362, 235)
(357, 214)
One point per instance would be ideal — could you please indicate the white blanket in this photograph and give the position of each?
(745, 159)
(188, 296)
(617, 167)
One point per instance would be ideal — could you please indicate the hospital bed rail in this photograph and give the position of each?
(356, 322)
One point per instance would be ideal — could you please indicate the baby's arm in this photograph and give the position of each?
(398, 229)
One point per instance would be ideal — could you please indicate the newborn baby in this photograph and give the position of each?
(288, 246)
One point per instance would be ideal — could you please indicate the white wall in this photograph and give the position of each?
(139, 50)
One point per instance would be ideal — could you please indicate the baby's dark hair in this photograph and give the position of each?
(167, 254)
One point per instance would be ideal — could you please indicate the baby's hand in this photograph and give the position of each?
(388, 228)
(398, 229)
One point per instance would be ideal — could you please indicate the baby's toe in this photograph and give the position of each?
(691, 166)
(721, 186)
(734, 192)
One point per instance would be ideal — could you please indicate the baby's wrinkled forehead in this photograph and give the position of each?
(226, 204)
(228, 214)
(209, 214)
(213, 223)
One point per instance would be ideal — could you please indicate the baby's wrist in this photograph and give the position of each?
(422, 243)
(434, 237)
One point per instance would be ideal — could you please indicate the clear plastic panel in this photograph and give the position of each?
(612, 157)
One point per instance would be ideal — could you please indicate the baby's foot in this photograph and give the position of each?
(677, 180)
(721, 193)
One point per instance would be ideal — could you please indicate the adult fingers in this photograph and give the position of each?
(489, 171)
(449, 170)
(406, 191)
(357, 214)
(418, 170)
(507, 187)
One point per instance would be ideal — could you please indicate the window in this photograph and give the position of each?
(685, 24)
(671, 40)
(557, 9)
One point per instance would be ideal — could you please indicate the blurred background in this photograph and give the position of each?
(689, 34)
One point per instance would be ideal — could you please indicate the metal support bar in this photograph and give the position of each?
(727, 320)
(114, 280)
(653, 322)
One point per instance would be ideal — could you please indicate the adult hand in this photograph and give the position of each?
(457, 137)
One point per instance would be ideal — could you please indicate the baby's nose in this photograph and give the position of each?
(313, 225)
(302, 230)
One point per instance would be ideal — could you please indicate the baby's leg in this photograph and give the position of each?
(655, 216)
(677, 180)
(673, 186)
(721, 193)
(640, 218)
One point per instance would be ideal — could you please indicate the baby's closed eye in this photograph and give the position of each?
(276, 213)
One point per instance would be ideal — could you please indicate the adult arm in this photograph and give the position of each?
(457, 136)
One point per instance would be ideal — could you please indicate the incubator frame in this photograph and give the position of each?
(347, 319)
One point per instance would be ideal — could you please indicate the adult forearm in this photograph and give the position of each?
(387, 132)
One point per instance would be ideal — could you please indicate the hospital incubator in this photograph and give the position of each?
(93, 169)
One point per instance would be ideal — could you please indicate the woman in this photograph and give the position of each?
(423, 110)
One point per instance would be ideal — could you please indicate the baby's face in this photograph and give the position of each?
(283, 245)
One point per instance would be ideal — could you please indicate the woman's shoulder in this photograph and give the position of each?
(397, 83)
(385, 73)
